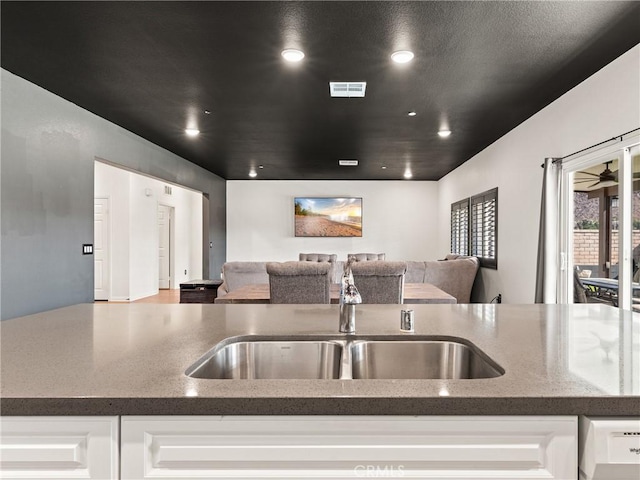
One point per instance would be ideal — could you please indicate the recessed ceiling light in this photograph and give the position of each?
(253, 174)
(207, 112)
(260, 166)
(402, 56)
(444, 133)
(384, 167)
(192, 132)
(412, 114)
(292, 55)
(408, 174)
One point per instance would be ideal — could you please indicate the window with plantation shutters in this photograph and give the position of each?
(484, 228)
(474, 227)
(460, 227)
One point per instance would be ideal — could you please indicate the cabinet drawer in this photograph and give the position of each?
(59, 447)
(349, 447)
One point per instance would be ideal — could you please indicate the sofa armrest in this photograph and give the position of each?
(238, 274)
(456, 277)
(222, 290)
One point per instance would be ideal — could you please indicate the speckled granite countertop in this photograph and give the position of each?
(129, 359)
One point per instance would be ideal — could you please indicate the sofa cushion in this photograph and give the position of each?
(318, 257)
(455, 277)
(415, 272)
(363, 257)
(238, 274)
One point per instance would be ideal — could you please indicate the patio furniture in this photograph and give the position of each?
(606, 289)
(580, 291)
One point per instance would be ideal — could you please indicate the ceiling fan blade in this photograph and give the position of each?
(589, 173)
(615, 175)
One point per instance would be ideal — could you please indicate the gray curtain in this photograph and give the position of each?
(548, 239)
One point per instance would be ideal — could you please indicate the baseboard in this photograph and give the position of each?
(119, 299)
(144, 295)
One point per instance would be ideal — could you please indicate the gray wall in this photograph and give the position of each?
(48, 150)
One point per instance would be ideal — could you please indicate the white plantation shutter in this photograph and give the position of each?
(460, 227)
(484, 228)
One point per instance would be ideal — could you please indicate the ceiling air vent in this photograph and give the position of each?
(348, 163)
(347, 89)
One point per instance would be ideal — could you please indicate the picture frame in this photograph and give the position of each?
(328, 216)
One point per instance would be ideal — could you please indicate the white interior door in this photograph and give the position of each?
(164, 246)
(102, 271)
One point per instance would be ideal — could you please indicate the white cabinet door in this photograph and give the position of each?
(59, 447)
(349, 447)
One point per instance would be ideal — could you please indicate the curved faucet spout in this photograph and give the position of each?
(349, 298)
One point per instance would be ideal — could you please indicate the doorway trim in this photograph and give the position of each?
(105, 241)
(171, 210)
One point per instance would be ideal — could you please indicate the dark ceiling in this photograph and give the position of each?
(480, 69)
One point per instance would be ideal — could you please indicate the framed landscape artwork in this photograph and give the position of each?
(328, 216)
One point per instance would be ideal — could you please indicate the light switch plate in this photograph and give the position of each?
(87, 249)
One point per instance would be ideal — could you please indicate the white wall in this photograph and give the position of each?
(399, 219)
(134, 231)
(113, 183)
(605, 105)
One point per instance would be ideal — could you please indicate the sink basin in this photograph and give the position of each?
(264, 359)
(419, 359)
(344, 357)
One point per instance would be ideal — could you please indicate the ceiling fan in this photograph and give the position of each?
(606, 178)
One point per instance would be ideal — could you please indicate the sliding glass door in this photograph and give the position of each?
(635, 228)
(600, 228)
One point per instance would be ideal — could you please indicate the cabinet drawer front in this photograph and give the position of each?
(349, 447)
(59, 447)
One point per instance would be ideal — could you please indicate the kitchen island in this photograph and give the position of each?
(128, 362)
(130, 359)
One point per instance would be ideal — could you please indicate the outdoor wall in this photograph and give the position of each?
(586, 246)
(49, 146)
(603, 106)
(398, 219)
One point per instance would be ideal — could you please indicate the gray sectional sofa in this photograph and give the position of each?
(455, 274)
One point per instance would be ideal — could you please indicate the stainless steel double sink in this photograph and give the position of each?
(353, 357)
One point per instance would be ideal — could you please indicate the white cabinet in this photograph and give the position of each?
(59, 447)
(333, 447)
